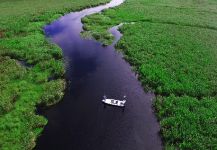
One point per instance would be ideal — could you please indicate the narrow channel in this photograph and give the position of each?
(80, 121)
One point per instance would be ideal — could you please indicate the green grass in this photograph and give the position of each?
(172, 45)
(23, 87)
(188, 123)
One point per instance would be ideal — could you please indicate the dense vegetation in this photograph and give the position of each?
(172, 44)
(31, 69)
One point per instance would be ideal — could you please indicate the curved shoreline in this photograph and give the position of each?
(27, 65)
(87, 64)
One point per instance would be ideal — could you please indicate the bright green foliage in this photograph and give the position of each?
(31, 69)
(187, 123)
(10, 71)
(175, 60)
(197, 13)
(172, 45)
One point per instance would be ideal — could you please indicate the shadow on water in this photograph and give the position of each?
(80, 121)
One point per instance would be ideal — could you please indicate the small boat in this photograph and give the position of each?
(114, 102)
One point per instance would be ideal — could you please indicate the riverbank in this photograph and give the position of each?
(31, 69)
(172, 46)
(80, 121)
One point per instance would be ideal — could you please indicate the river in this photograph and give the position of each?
(80, 121)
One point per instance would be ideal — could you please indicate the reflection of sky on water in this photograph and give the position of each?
(80, 121)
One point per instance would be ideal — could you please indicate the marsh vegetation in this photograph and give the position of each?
(172, 45)
(27, 61)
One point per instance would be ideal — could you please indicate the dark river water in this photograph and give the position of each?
(80, 121)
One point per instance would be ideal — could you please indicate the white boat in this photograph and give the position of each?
(114, 102)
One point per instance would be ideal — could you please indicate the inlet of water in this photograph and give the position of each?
(80, 121)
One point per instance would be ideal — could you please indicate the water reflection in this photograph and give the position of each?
(80, 121)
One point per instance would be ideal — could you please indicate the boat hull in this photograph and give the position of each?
(113, 102)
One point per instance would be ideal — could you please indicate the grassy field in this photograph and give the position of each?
(31, 69)
(173, 46)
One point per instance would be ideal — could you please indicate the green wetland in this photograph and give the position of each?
(171, 44)
(31, 69)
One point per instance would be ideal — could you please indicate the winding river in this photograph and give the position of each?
(80, 121)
